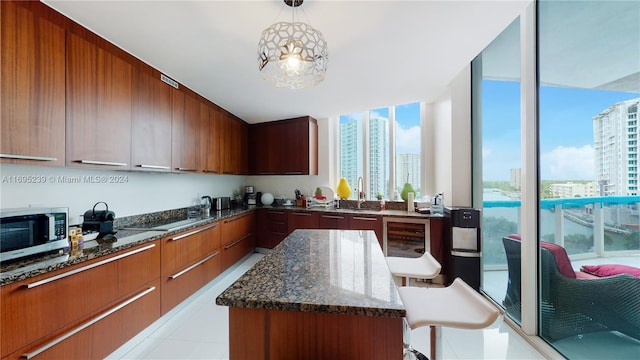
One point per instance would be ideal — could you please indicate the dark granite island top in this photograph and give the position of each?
(322, 292)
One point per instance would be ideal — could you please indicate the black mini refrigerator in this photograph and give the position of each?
(465, 244)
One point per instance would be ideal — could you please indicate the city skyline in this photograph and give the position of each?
(566, 129)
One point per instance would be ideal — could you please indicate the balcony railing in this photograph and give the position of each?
(588, 227)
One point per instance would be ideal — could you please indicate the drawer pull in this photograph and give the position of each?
(302, 214)
(160, 167)
(211, 171)
(105, 163)
(195, 265)
(332, 217)
(293, 172)
(186, 169)
(96, 264)
(193, 232)
(238, 218)
(364, 218)
(275, 212)
(67, 335)
(27, 157)
(236, 242)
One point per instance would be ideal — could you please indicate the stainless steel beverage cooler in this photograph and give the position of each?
(465, 244)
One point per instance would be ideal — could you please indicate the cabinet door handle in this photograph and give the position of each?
(236, 242)
(161, 167)
(293, 172)
(275, 212)
(193, 232)
(185, 169)
(195, 265)
(229, 172)
(211, 171)
(96, 264)
(266, 173)
(67, 335)
(332, 217)
(364, 218)
(105, 163)
(301, 214)
(27, 157)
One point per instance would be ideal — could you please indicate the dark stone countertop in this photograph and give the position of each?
(328, 271)
(20, 269)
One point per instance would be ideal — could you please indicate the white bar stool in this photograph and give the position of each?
(424, 267)
(457, 305)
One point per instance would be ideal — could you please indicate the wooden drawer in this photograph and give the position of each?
(35, 308)
(99, 335)
(237, 227)
(301, 220)
(334, 221)
(184, 249)
(367, 222)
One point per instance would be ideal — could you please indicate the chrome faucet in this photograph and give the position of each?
(362, 197)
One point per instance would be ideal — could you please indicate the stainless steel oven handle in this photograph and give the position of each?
(67, 335)
(27, 157)
(96, 264)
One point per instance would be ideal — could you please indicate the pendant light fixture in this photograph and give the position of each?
(292, 54)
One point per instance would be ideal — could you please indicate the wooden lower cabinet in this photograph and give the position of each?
(190, 260)
(334, 221)
(301, 220)
(238, 238)
(39, 310)
(272, 228)
(367, 222)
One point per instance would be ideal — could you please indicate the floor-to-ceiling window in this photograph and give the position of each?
(496, 88)
(588, 99)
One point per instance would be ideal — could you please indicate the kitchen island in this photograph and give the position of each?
(323, 294)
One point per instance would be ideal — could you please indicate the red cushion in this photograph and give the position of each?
(562, 260)
(584, 275)
(610, 270)
(559, 254)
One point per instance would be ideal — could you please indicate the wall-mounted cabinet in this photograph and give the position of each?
(210, 139)
(151, 124)
(99, 103)
(186, 132)
(285, 147)
(32, 98)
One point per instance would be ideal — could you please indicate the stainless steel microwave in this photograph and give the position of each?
(30, 231)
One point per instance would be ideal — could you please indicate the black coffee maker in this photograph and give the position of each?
(99, 220)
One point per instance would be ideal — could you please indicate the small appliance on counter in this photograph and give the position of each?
(222, 203)
(31, 231)
(250, 195)
(99, 220)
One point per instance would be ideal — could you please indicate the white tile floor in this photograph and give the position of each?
(198, 329)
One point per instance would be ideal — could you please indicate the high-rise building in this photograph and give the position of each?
(351, 151)
(515, 178)
(408, 170)
(615, 135)
(378, 157)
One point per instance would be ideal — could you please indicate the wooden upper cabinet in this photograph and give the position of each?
(99, 105)
(210, 133)
(151, 124)
(233, 145)
(285, 147)
(186, 132)
(33, 88)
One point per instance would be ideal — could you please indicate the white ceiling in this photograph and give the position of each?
(381, 53)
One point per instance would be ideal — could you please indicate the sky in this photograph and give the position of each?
(566, 129)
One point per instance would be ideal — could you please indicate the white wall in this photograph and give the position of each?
(142, 193)
(452, 141)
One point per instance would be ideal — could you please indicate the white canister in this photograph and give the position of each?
(410, 204)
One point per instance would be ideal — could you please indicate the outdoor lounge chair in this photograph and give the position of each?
(571, 305)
